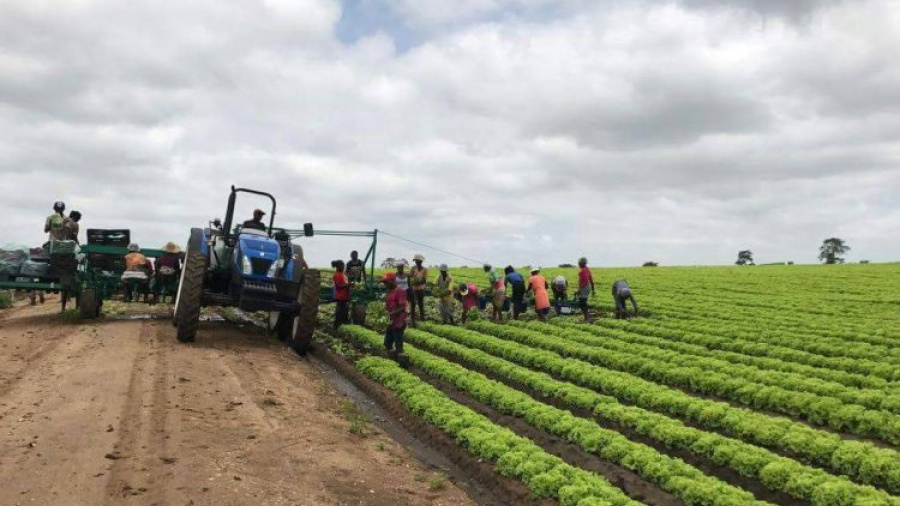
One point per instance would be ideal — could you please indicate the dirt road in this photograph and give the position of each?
(117, 412)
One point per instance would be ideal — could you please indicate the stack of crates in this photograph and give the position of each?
(119, 238)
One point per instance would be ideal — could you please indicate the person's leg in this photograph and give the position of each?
(398, 339)
(389, 339)
(411, 297)
(465, 314)
(620, 306)
(420, 295)
(41, 297)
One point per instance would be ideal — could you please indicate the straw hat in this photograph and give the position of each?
(419, 257)
(171, 247)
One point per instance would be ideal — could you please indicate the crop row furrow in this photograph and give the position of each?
(673, 475)
(860, 460)
(514, 456)
(679, 339)
(696, 356)
(819, 410)
(775, 472)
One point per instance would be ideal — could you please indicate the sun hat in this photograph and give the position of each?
(443, 268)
(171, 247)
(535, 270)
(419, 257)
(463, 289)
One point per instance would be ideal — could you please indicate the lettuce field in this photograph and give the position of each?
(736, 385)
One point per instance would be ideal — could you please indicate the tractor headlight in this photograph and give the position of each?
(273, 270)
(245, 263)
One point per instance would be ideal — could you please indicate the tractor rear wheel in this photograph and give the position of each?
(190, 291)
(88, 306)
(304, 324)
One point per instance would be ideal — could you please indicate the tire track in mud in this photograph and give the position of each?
(141, 460)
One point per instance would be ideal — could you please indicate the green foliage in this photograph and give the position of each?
(5, 300)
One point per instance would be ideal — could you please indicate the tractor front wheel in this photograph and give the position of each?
(190, 290)
(304, 324)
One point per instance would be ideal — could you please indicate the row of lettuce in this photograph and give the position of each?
(860, 460)
(819, 410)
(777, 473)
(698, 356)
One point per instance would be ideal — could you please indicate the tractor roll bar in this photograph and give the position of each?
(229, 213)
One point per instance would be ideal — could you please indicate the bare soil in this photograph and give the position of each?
(118, 412)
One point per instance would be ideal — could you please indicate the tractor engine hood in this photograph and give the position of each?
(259, 247)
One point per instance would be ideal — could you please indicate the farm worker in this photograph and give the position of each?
(136, 261)
(396, 309)
(498, 293)
(168, 270)
(34, 295)
(515, 281)
(70, 227)
(418, 277)
(585, 287)
(443, 289)
(256, 223)
(341, 294)
(622, 292)
(538, 284)
(560, 288)
(137, 271)
(55, 222)
(468, 294)
(356, 271)
(402, 277)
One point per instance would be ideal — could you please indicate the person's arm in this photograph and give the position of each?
(593, 288)
(47, 226)
(634, 303)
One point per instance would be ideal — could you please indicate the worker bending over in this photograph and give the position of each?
(538, 285)
(622, 292)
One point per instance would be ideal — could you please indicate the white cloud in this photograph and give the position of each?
(625, 132)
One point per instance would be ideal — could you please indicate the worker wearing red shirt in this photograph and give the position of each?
(341, 294)
(468, 294)
(585, 287)
(395, 302)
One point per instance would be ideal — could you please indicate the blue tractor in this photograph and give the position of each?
(252, 267)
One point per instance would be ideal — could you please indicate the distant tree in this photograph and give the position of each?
(566, 266)
(832, 250)
(864, 261)
(745, 257)
(391, 262)
(651, 264)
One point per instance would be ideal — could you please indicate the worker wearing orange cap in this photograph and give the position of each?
(395, 302)
(256, 223)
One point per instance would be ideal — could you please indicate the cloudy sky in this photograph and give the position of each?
(513, 131)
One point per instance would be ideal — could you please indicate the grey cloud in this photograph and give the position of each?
(628, 133)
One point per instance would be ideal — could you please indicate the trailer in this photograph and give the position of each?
(90, 276)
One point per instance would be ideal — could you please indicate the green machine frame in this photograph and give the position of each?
(102, 284)
(370, 289)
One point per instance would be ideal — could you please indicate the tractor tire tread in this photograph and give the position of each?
(309, 311)
(191, 296)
